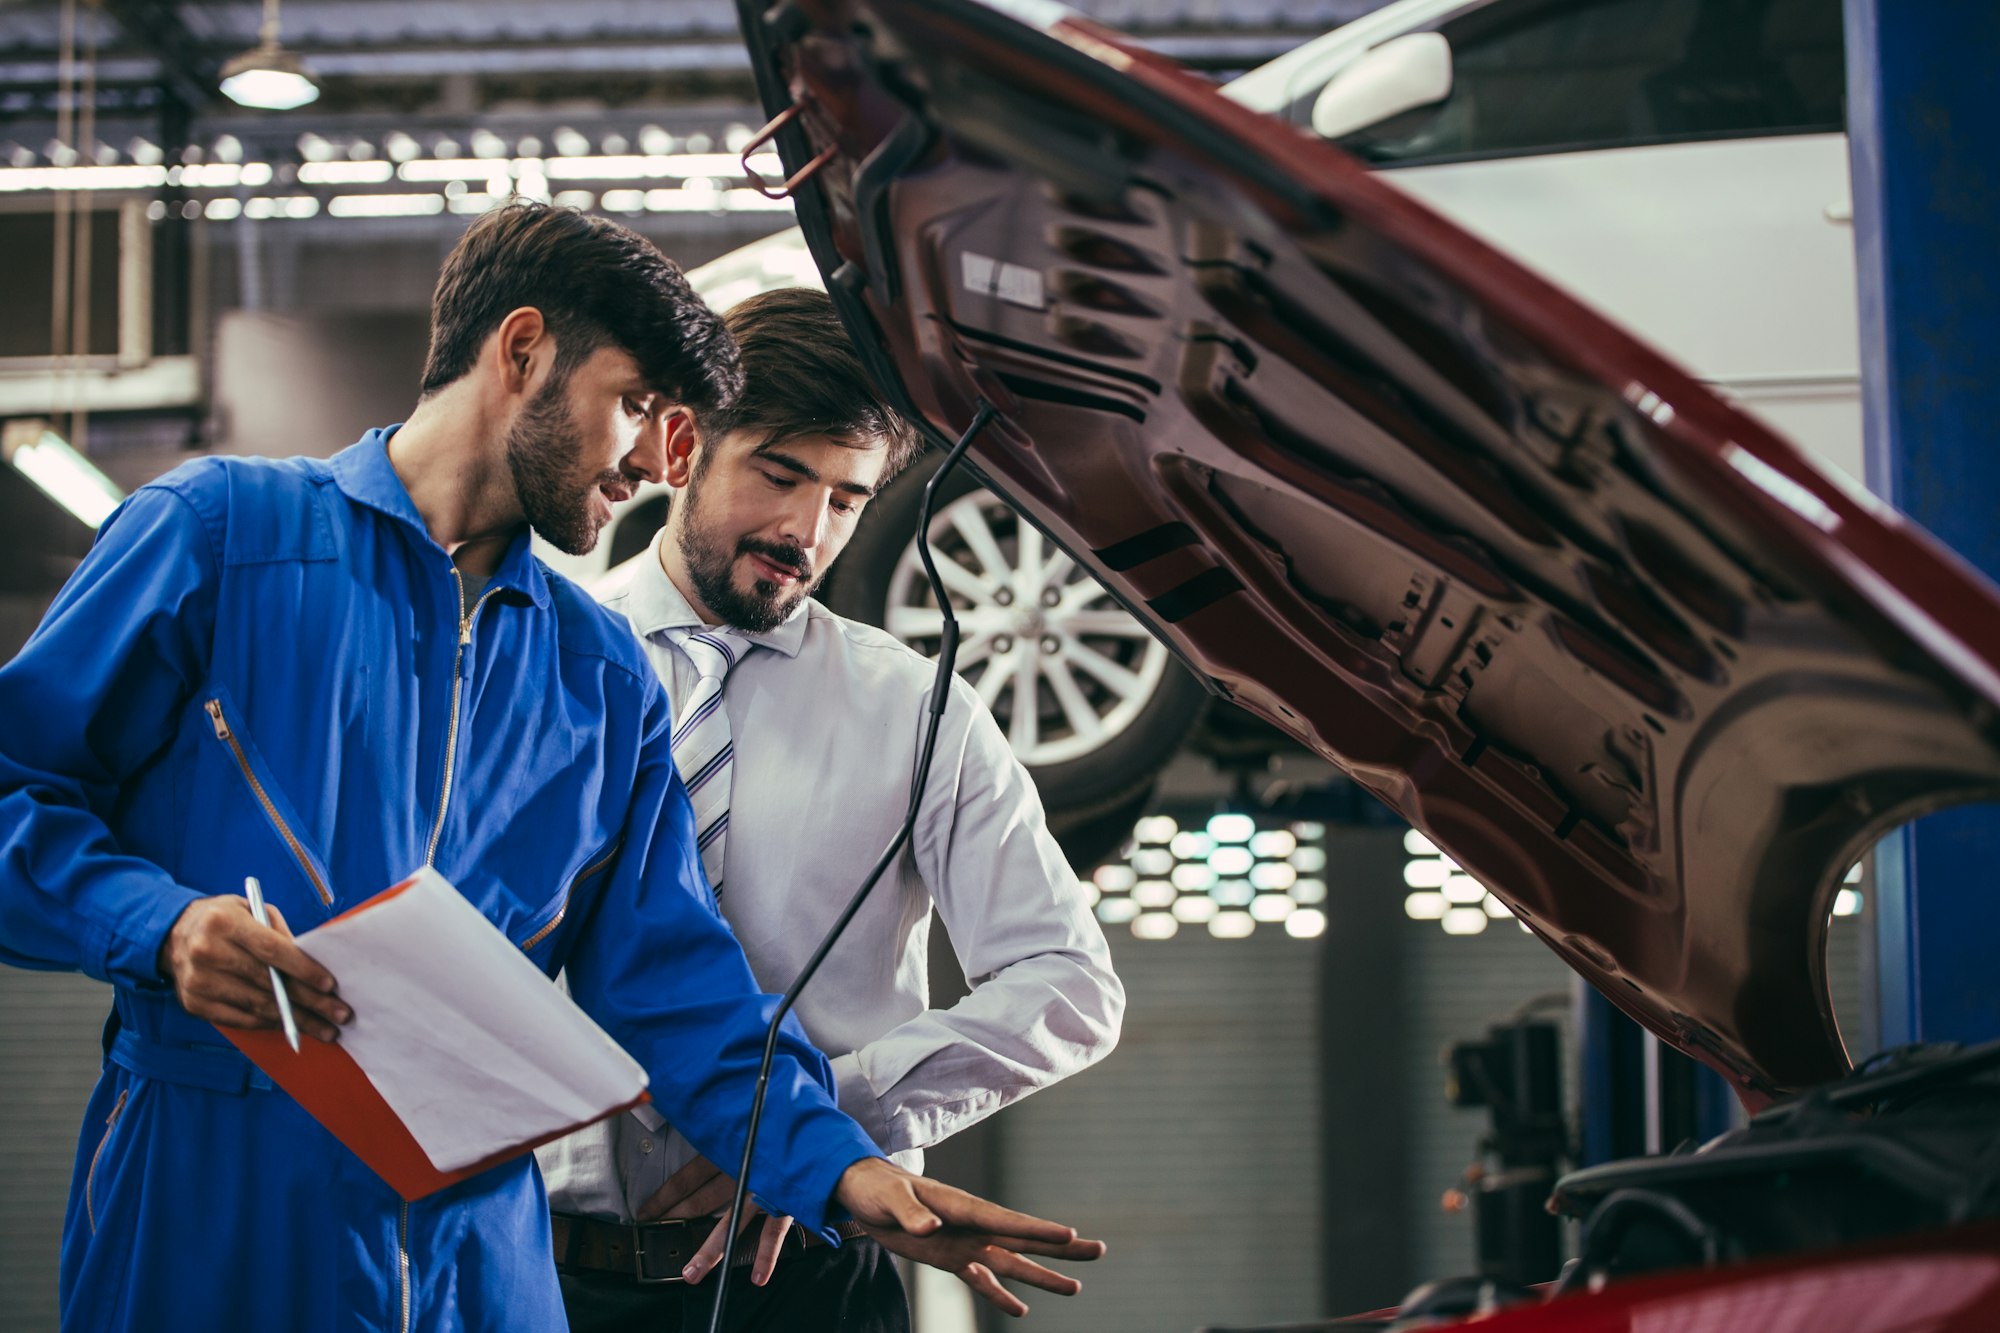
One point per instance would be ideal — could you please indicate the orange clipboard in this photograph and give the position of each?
(325, 1079)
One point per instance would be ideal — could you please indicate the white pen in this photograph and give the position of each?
(255, 893)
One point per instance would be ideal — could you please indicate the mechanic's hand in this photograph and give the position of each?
(216, 956)
(973, 1239)
(700, 1189)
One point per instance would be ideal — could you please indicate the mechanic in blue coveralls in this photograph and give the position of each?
(328, 673)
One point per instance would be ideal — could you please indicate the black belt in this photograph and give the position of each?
(655, 1252)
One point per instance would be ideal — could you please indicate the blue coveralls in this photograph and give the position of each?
(262, 669)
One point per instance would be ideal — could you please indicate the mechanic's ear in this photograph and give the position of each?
(521, 336)
(681, 442)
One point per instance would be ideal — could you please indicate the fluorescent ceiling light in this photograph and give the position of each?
(282, 206)
(1232, 925)
(1463, 889)
(1231, 828)
(1424, 906)
(435, 169)
(61, 473)
(1269, 907)
(13, 179)
(385, 205)
(1463, 921)
(1305, 924)
(346, 173)
(206, 175)
(1194, 907)
(648, 166)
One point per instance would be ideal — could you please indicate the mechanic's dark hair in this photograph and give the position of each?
(801, 376)
(597, 285)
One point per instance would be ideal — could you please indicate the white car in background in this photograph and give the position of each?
(1681, 165)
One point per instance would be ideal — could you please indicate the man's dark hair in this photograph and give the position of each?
(597, 285)
(801, 376)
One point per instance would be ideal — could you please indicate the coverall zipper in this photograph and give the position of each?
(403, 1262)
(228, 737)
(465, 619)
(563, 911)
(90, 1177)
(457, 686)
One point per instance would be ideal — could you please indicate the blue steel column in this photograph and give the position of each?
(1924, 129)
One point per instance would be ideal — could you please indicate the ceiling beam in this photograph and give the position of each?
(187, 71)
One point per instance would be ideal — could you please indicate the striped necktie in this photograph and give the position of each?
(702, 747)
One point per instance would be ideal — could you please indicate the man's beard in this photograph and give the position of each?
(541, 455)
(767, 605)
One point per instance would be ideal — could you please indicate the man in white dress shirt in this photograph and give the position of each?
(796, 733)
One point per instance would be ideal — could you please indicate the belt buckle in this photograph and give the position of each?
(639, 1272)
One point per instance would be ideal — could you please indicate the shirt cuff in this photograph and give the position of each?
(857, 1097)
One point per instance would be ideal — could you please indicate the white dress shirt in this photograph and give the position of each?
(826, 716)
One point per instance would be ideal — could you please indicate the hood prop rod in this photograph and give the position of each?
(788, 187)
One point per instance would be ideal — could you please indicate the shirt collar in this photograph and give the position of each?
(363, 472)
(656, 605)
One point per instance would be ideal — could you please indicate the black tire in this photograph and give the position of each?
(634, 529)
(1124, 763)
(1090, 837)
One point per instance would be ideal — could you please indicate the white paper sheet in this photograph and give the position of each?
(472, 1047)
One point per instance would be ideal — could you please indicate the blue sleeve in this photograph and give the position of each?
(659, 969)
(88, 701)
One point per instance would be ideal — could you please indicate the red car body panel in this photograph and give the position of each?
(1946, 1282)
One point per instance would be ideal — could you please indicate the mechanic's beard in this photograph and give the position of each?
(541, 455)
(709, 563)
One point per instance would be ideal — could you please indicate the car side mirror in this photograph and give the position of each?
(1402, 74)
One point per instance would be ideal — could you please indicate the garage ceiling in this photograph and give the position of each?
(465, 57)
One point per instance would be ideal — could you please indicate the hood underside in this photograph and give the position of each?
(1633, 662)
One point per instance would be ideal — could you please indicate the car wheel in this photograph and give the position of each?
(634, 528)
(1092, 704)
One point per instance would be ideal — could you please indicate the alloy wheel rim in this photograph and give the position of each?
(1063, 667)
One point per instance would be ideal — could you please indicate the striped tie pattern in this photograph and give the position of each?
(702, 747)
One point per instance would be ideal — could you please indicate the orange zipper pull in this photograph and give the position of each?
(214, 707)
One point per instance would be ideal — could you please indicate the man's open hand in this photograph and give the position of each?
(216, 956)
(975, 1240)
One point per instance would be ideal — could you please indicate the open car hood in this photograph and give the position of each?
(1638, 665)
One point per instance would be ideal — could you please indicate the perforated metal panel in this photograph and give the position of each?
(1193, 1149)
(49, 1058)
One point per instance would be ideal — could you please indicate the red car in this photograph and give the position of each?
(1634, 662)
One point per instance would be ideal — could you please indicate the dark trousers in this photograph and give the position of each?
(854, 1289)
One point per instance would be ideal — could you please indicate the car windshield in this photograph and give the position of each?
(1548, 76)
(1584, 74)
